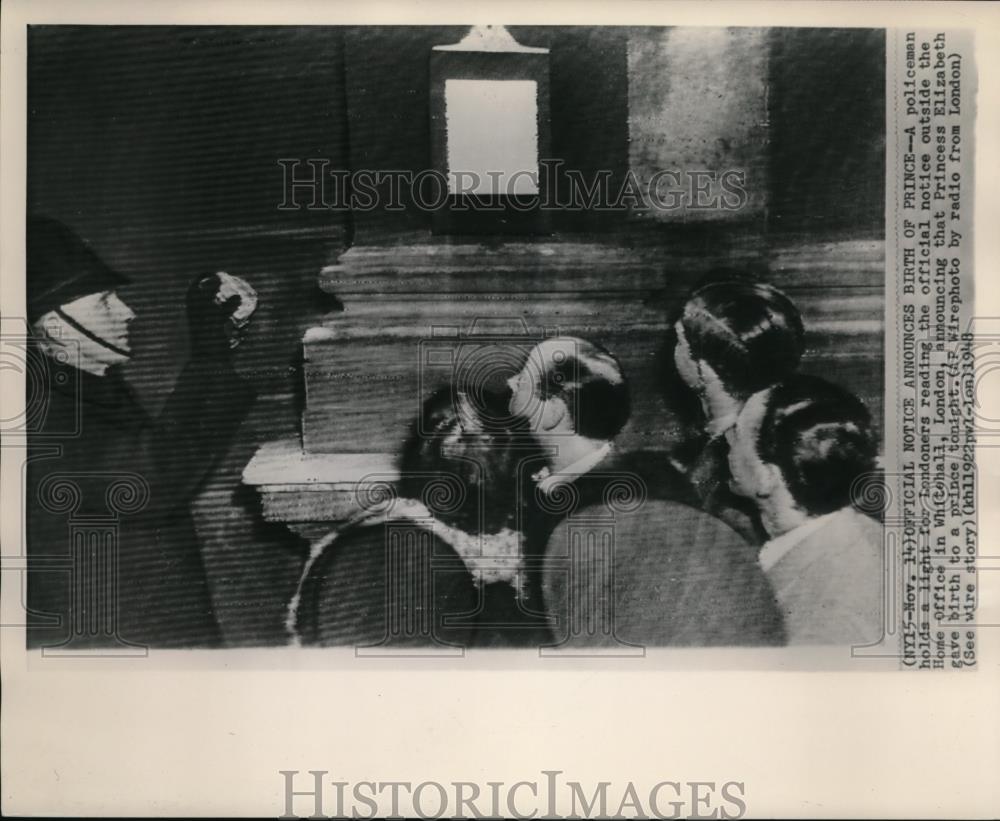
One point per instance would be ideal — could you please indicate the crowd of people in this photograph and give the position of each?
(517, 520)
(747, 536)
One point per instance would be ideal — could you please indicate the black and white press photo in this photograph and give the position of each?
(437, 340)
(496, 411)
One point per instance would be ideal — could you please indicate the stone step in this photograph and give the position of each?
(363, 392)
(416, 314)
(302, 489)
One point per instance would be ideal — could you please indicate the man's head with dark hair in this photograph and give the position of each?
(801, 445)
(462, 465)
(570, 386)
(748, 334)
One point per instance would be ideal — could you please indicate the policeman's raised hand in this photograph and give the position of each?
(219, 308)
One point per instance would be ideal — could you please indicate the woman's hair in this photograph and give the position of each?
(465, 463)
(820, 436)
(592, 383)
(749, 332)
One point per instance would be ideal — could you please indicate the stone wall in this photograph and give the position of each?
(698, 103)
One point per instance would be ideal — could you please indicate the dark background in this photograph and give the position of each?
(159, 145)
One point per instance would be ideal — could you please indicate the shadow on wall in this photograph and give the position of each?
(159, 145)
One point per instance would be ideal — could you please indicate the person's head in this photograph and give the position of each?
(73, 305)
(571, 386)
(462, 465)
(91, 332)
(798, 448)
(739, 336)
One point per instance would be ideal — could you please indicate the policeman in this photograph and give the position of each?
(113, 559)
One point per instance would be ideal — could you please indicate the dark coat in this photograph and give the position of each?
(628, 542)
(683, 576)
(99, 465)
(709, 477)
(350, 598)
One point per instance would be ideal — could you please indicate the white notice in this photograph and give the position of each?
(492, 136)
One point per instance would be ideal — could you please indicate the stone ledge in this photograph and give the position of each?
(567, 267)
(283, 465)
(298, 488)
